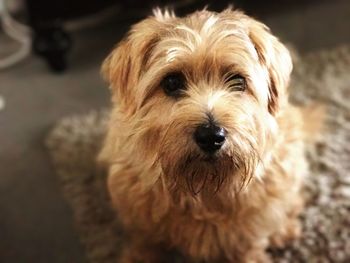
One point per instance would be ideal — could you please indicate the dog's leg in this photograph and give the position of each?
(255, 252)
(257, 255)
(291, 229)
(138, 251)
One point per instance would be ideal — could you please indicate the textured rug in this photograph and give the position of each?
(322, 76)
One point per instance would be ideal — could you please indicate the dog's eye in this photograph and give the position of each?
(236, 82)
(173, 84)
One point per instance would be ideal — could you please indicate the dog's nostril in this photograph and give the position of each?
(209, 137)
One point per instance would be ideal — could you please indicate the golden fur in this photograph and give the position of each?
(167, 194)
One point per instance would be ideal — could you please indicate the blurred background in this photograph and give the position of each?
(50, 55)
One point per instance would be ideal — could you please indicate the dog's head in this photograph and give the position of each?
(198, 96)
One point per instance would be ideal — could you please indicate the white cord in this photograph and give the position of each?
(2, 103)
(16, 31)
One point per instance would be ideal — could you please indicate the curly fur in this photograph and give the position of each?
(168, 194)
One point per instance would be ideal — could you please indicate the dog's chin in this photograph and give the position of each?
(197, 173)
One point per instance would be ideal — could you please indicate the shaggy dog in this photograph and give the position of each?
(205, 154)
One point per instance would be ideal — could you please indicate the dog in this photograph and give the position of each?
(205, 154)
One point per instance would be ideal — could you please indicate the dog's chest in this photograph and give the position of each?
(199, 232)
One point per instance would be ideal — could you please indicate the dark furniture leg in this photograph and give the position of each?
(52, 43)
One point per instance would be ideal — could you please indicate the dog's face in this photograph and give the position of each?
(198, 97)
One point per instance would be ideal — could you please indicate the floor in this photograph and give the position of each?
(35, 222)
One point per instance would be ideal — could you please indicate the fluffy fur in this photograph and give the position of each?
(167, 193)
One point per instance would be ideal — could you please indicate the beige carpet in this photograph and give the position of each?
(320, 76)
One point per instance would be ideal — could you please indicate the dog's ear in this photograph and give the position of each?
(276, 58)
(125, 65)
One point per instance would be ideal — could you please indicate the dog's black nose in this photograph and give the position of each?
(209, 137)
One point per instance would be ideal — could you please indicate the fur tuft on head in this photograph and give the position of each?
(164, 15)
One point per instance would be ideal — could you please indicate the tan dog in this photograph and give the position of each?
(205, 154)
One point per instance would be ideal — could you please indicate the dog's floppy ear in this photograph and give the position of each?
(276, 58)
(124, 66)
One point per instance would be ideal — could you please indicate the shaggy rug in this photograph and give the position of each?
(322, 76)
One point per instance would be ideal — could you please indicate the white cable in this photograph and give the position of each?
(16, 31)
(2, 103)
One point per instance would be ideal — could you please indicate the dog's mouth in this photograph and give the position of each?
(210, 158)
(191, 169)
(196, 173)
